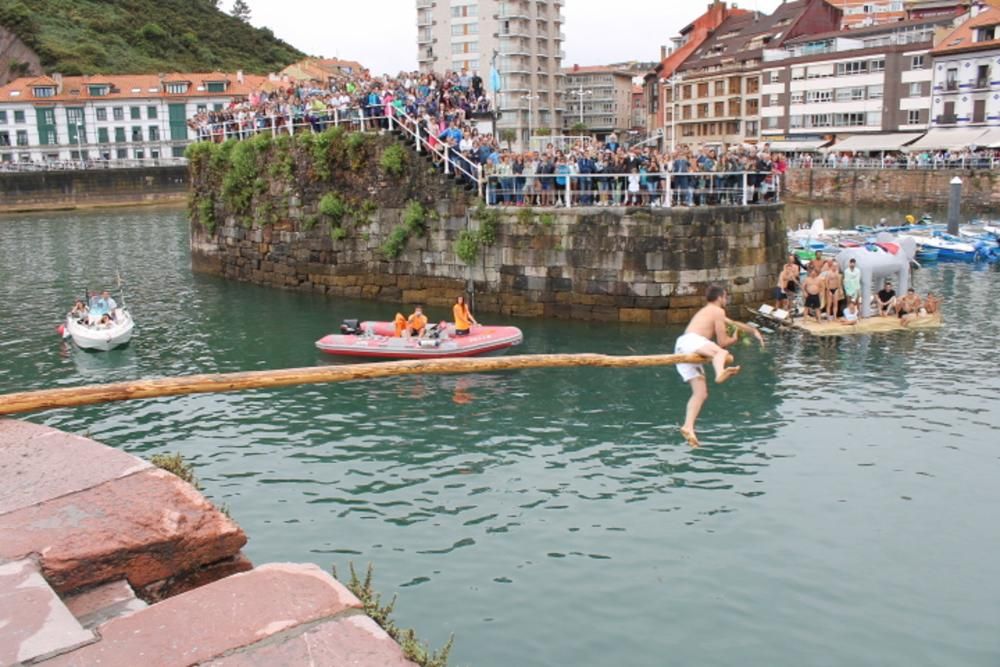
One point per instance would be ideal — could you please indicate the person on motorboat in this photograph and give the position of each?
(400, 323)
(416, 324)
(463, 317)
(105, 321)
(79, 311)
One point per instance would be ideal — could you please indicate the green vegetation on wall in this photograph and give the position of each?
(415, 219)
(136, 36)
(469, 243)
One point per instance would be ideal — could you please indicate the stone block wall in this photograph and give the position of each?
(40, 190)
(913, 189)
(649, 266)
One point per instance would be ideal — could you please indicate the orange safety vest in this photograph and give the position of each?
(462, 316)
(400, 323)
(417, 322)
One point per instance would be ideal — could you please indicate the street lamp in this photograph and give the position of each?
(580, 95)
(530, 99)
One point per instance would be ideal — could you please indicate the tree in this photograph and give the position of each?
(578, 128)
(508, 135)
(241, 10)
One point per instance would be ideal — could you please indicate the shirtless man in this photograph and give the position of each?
(812, 286)
(834, 281)
(709, 322)
(931, 304)
(909, 307)
(788, 284)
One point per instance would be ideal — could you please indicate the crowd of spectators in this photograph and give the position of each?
(445, 112)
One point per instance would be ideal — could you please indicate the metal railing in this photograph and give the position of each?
(933, 163)
(665, 189)
(90, 165)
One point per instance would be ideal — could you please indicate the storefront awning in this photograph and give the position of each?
(863, 143)
(990, 139)
(797, 146)
(948, 139)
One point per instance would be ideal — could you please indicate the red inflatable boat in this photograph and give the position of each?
(377, 340)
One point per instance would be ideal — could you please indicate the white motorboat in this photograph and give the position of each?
(89, 334)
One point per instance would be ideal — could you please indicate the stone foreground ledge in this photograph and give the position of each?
(90, 532)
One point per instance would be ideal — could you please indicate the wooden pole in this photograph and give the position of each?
(70, 397)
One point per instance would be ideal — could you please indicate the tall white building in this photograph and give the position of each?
(522, 37)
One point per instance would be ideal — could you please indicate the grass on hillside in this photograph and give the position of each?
(142, 36)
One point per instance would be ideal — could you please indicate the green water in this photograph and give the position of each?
(843, 511)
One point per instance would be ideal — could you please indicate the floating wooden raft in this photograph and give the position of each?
(868, 325)
(68, 397)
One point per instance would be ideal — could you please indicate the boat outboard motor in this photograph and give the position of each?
(351, 328)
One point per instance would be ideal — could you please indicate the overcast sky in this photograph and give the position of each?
(382, 34)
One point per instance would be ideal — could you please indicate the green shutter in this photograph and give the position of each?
(46, 118)
(135, 113)
(216, 87)
(151, 112)
(74, 117)
(178, 122)
(119, 135)
(102, 135)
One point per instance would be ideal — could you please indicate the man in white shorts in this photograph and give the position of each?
(709, 322)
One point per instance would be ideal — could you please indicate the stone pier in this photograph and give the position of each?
(107, 560)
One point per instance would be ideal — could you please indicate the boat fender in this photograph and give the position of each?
(61, 330)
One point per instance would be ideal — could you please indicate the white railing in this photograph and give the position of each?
(742, 188)
(965, 162)
(453, 162)
(90, 165)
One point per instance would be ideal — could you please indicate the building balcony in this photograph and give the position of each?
(983, 82)
(426, 4)
(946, 119)
(951, 86)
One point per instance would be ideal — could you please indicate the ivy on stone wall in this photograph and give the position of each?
(393, 160)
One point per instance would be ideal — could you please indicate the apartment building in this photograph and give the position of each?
(638, 109)
(864, 13)
(656, 82)
(966, 85)
(843, 85)
(523, 38)
(719, 94)
(141, 116)
(599, 98)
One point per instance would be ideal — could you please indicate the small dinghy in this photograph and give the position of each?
(378, 340)
(89, 334)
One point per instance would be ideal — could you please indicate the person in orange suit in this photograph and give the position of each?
(416, 324)
(463, 317)
(400, 323)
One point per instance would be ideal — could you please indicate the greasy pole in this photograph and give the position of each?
(69, 397)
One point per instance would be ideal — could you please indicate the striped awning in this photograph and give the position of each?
(807, 146)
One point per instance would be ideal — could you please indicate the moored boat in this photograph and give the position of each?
(377, 340)
(93, 335)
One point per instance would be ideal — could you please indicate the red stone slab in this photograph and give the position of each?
(145, 527)
(216, 619)
(356, 640)
(33, 620)
(101, 603)
(38, 463)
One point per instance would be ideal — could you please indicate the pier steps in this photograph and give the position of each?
(108, 560)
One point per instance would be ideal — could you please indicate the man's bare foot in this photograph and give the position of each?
(728, 373)
(691, 438)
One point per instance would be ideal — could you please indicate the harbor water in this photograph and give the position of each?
(841, 512)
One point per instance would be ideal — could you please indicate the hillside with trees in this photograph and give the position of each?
(133, 36)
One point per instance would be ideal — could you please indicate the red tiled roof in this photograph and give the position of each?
(961, 38)
(126, 86)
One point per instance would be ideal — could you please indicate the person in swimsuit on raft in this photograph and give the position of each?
(709, 322)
